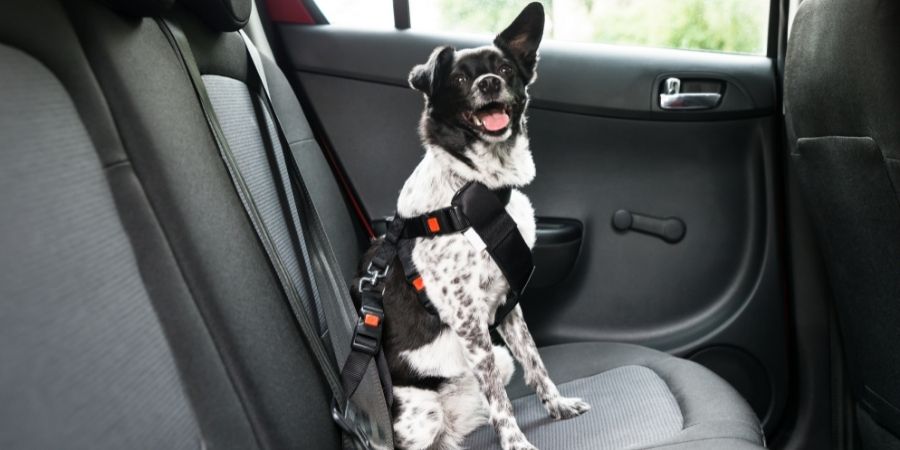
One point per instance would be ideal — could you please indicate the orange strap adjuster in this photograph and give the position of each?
(434, 225)
(371, 320)
(418, 284)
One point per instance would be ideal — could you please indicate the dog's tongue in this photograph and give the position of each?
(494, 120)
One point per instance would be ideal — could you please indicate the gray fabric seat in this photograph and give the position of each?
(86, 360)
(640, 398)
(136, 307)
(842, 104)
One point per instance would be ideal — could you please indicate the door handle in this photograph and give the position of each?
(669, 229)
(673, 99)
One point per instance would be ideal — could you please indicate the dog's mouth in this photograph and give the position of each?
(492, 119)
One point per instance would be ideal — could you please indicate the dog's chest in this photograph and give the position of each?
(457, 273)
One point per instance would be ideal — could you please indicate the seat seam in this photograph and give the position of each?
(669, 387)
(216, 341)
(753, 425)
(672, 444)
(117, 163)
(301, 140)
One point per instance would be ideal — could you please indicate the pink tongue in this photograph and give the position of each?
(494, 121)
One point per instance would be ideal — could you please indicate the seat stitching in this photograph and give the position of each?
(301, 140)
(217, 341)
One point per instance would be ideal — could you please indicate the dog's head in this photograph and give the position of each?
(480, 94)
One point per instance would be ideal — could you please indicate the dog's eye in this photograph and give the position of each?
(505, 70)
(460, 79)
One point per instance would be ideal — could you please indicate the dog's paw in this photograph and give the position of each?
(566, 407)
(520, 445)
(515, 441)
(525, 446)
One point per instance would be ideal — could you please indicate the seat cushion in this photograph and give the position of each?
(640, 398)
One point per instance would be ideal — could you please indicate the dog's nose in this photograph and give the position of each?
(489, 85)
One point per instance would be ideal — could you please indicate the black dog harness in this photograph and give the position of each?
(477, 212)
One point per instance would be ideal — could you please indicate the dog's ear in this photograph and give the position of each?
(521, 39)
(428, 77)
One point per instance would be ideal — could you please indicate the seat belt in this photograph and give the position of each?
(308, 327)
(346, 413)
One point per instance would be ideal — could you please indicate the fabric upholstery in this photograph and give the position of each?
(140, 8)
(340, 222)
(711, 409)
(631, 406)
(222, 15)
(234, 109)
(85, 361)
(273, 382)
(56, 46)
(842, 103)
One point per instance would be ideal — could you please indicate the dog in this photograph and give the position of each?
(448, 377)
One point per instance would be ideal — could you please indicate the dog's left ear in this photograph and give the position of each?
(521, 39)
(428, 77)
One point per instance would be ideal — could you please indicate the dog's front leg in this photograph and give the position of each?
(522, 346)
(470, 324)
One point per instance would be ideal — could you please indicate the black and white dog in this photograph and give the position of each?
(448, 376)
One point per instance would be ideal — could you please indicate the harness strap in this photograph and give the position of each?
(366, 341)
(474, 208)
(404, 251)
(447, 220)
(488, 217)
(480, 211)
(435, 223)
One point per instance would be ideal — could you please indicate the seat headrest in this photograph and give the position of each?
(221, 15)
(139, 8)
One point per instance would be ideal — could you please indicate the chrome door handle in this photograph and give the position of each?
(674, 99)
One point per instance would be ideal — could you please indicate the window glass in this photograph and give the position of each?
(358, 13)
(738, 26)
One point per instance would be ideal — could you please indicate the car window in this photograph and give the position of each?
(735, 26)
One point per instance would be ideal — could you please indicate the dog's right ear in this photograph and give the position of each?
(521, 39)
(428, 77)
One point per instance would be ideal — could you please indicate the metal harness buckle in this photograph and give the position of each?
(354, 422)
(373, 279)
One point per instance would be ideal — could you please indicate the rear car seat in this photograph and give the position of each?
(164, 326)
(125, 266)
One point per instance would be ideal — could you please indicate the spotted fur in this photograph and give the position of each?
(448, 376)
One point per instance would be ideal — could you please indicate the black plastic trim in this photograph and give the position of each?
(593, 79)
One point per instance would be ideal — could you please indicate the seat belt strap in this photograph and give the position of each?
(286, 188)
(181, 46)
(352, 419)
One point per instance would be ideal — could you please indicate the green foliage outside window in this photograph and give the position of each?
(718, 25)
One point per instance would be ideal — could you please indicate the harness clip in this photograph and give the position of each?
(367, 334)
(373, 279)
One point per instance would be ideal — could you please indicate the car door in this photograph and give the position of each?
(657, 192)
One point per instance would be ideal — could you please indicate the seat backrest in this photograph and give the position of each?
(92, 353)
(137, 307)
(164, 133)
(842, 102)
(163, 130)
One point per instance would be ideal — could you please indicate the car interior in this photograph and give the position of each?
(187, 188)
